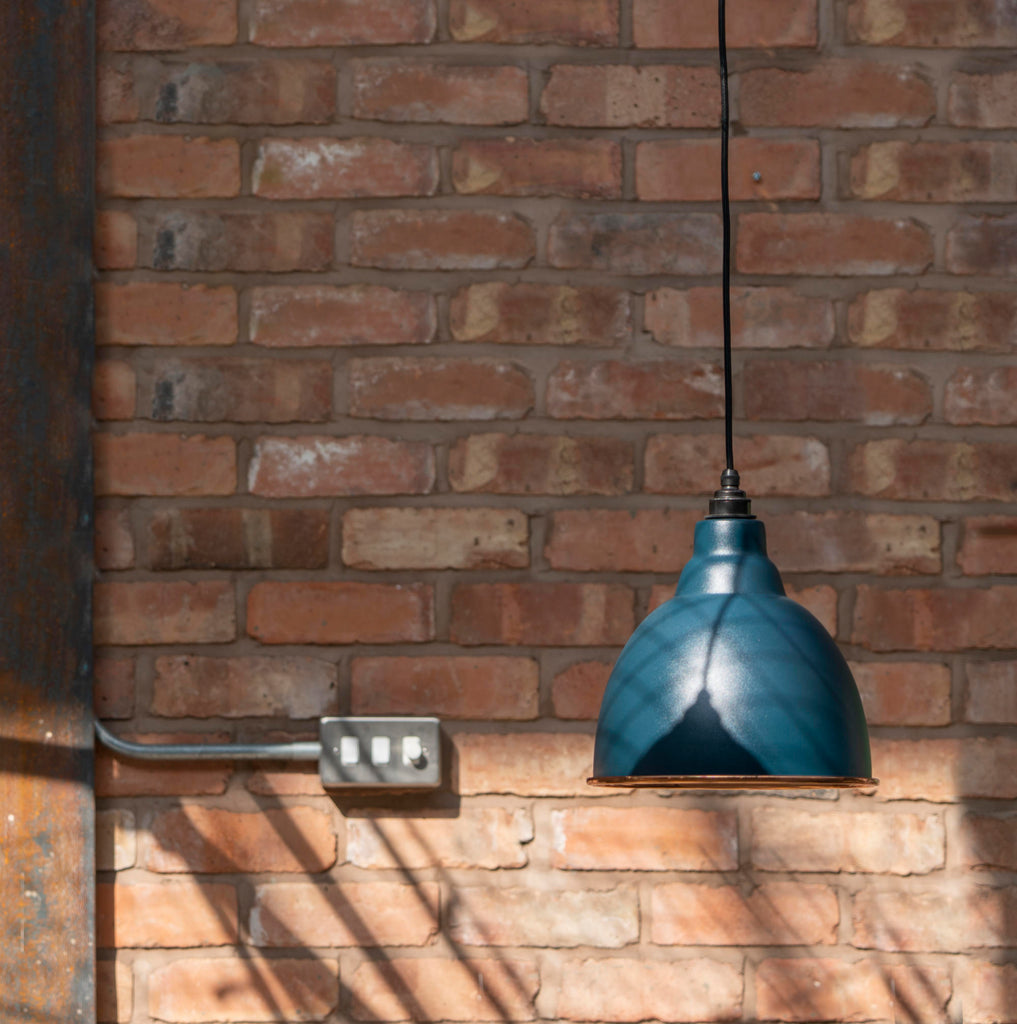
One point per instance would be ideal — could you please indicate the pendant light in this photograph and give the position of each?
(731, 684)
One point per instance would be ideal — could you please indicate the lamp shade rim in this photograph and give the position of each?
(733, 781)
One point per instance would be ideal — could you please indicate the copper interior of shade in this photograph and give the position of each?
(734, 782)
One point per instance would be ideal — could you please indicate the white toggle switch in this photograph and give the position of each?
(349, 750)
(381, 750)
(413, 750)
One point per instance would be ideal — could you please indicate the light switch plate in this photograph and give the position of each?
(413, 753)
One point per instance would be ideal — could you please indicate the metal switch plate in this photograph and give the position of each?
(380, 753)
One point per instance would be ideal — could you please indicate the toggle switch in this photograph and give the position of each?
(349, 750)
(380, 753)
(381, 750)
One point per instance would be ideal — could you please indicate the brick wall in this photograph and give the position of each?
(408, 398)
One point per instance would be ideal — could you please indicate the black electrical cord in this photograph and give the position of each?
(725, 202)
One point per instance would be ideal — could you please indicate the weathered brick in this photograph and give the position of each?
(432, 989)
(983, 245)
(164, 464)
(238, 538)
(116, 843)
(172, 915)
(761, 169)
(989, 545)
(839, 93)
(115, 245)
(114, 992)
(342, 22)
(540, 314)
(555, 919)
(480, 688)
(988, 842)
(116, 101)
(945, 770)
(988, 991)
(116, 778)
(340, 613)
(578, 168)
(541, 614)
(477, 837)
(619, 540)
(636, 243)
(164, 613)
(773, 914)
(983, 100)
(349, 168)
(393, 90)
(165, 24)
(441, 240)
(244, 241)
(540, 464)
(206, 840)
(981, 394)
(239, 988)
(644, 839)
(991, 692)
(167, 167)
(818, 601)
(305, 316)
(114, 390)
(525, 764)
(191, 686)
(113, 691)
(293, 780)
(309, 467)
(351, 914)
(627, 96)
(661, 24)
(976, 23)
(577, 691)
(769, 464)
(567, 22)
(904, 692)
(147, 313)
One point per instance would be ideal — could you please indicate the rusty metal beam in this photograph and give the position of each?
(46, 804)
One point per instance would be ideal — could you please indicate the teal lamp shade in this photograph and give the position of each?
(731, 684)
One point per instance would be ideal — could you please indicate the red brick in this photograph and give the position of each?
(540, 314)
(644, 839)
(660, 24)
(238, 538)
(116, 778)
(659, 390)
(351, 914)
(567, 22)
(769, 464)
(395, 90)
(340, 613)
(113, 692)
(116, 240)
(144, 313)
(818, 601)
(164, 464)
(476, 837)
(115, 94)
(619, 540)
(557, 919)
(540, 464)
(305, 316)
(773, 914)
(243, 989)
(432, 989)
(945, 770)
(686, 170)
(988, 842)
(164, 613)
(114, 388)
(840, 93)
(855, 542)
(577, 691)
(329, 168)
(541, 614)
(167, 167)
(904, 692)
(981, 394)
(244, 241)
(988, 992)
(896, 844)
(811, 989)
(625, 96)
(983, 100)
(341, 22)
(637, 990)
(831, 244)
(930, 320)
(525, 764)
(933, 470)
(308, 467)
(579, 168)
(636, 243)
(989, 546)
(760, 318)
(441, 240)
(206, 840)
(114, 992)
(438, 389)
(478, 688)
(976, 23)
(983, 245)
(191, 686)
(294, 780)
(300, 91)
(165, 24)
(991, 692)
(172, 915)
